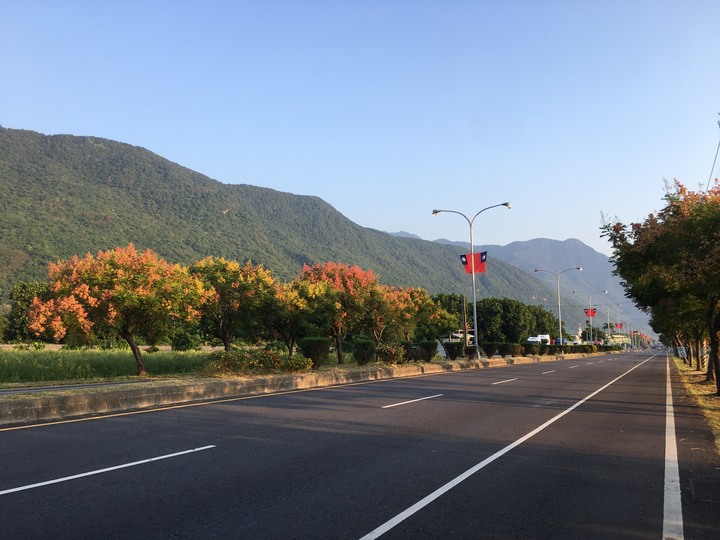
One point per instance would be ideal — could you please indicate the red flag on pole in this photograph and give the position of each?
(590, 312)
(480, 262)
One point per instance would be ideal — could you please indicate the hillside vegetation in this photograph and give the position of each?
(67, 195)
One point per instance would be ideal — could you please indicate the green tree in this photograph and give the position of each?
(244, 300)
(304, 309)
(21, 298)
(674, 255)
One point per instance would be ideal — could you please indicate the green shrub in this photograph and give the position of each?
(411, 352)
(245, 362)
(295, 364)
(453, 349)
(363, 351)
(427, 350)
(390, 353)
(489, 348)
(315, 348)
(186, 341)
(516, 350)
(531, 349)
(505, 349)
(471, 351)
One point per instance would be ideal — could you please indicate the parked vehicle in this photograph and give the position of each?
(540, 338)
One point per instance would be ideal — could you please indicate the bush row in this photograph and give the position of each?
(453, 349)
(365, 351)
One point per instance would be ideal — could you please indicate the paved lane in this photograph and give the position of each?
(342, 462)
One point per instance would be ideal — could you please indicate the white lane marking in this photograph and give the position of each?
(411, 401)
(101, 471)
(506, 380)
(672, 505)
(573, 367)
(590, 363)
(402, 516)
(551, 371)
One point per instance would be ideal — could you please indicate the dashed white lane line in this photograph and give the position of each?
(402, 516)
(411, 401)
(573, 367)
(101, 471)
(672, 504)
(547, 372)
(506, 380)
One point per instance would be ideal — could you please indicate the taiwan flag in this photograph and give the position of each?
(480, 262)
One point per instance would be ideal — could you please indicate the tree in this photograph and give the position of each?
(674, 255)
(21, 296)
(120, 292)
(432, 320)
(304, 310)
(348, 287)
(243, 302)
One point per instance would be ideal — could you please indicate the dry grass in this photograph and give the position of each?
(705, 394)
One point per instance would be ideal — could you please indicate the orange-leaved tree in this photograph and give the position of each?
(243, 303)
(348, 288)
(117, 292)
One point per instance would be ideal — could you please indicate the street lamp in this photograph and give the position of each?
(557, 279)
(472, 263)
(604, 291)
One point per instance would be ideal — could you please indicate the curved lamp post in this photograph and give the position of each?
(557, 279)
(472, 263)
(604, 291)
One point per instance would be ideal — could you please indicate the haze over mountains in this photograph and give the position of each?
(67, 195)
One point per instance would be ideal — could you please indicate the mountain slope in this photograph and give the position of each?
(69, 195)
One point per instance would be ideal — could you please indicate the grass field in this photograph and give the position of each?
(28, 366)
(705, 394)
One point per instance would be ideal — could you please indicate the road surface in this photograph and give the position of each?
(558, 450)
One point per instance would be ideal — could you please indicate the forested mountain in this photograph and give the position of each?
(66, 195)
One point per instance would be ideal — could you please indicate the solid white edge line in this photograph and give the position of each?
(402, 516)
(101, 471)
(411, 401)
(506, 380)
(672, 503)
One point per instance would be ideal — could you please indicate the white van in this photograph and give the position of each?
(541, 338)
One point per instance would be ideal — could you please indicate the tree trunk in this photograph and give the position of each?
(227, 343)
(712, 319)
(136, 353)
(338, 348)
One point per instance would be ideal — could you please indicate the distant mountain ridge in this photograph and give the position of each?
(576, 287)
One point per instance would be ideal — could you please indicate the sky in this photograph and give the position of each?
(388, 109)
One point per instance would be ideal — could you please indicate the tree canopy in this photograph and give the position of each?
(669, 263)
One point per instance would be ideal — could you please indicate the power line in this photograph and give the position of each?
(713, 165)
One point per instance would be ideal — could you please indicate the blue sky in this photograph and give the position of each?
(389, 109)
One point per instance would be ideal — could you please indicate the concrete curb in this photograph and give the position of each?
(20, 411)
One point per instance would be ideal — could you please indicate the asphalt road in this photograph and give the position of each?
(556, 450)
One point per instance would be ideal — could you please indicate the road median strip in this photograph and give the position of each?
(19, 410)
